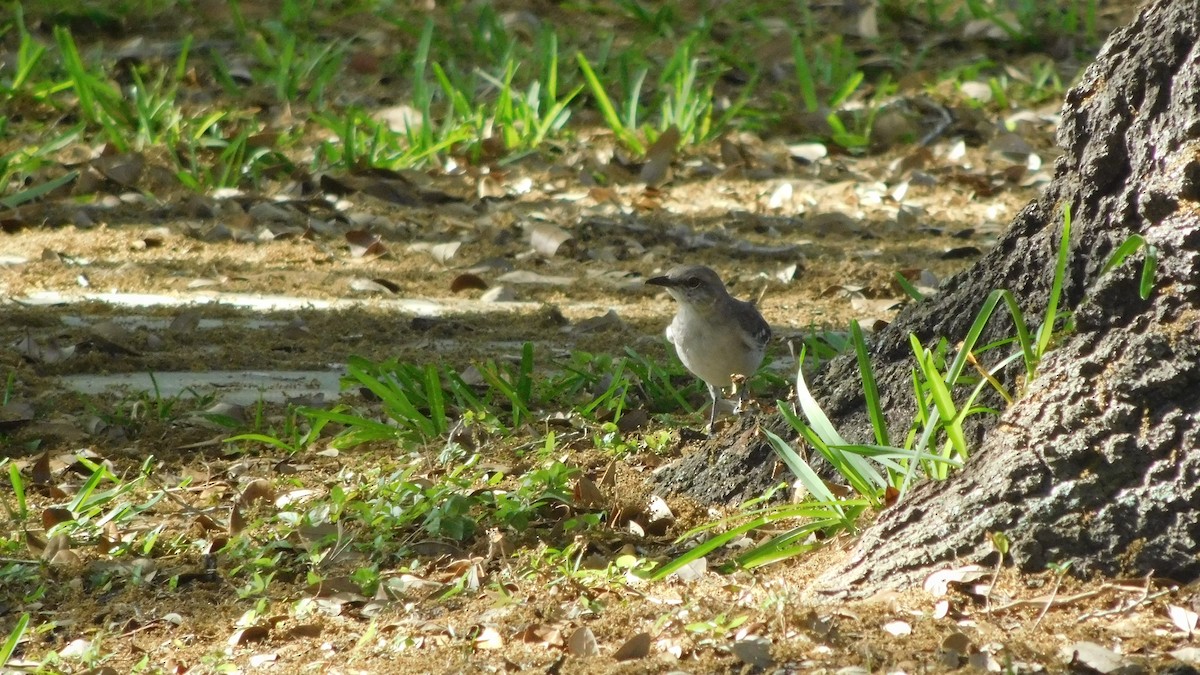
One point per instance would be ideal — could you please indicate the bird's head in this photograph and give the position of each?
(693, 285)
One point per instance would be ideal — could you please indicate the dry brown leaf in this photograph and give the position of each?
(35, 544)
(467, 281)
(608, 479)
(364, 244)
(333, 586)
(245, 636)
(541, 634)
(632, 420)
(257, 490)
(237, 522)
(649, 199)
(586, 494)
(111, 337)
(636, 647)
(659, 156)
(58, 551)
(185, 322)
(41, 470)
(957, 642)
(601, 195)
(305, 630)
(15, 414)
(124, 169)
(205, 523)
(54, 516)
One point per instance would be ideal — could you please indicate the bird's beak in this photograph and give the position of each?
(660, 281)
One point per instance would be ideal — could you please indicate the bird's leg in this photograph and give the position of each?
(715, 393)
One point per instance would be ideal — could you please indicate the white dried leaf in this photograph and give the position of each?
(527, 277)
(781, 196)
(583, 642)
(1183, 618)
(755, 652)
(938, 583)
(547, 239)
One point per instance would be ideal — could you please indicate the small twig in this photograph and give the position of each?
(1145, 591)
(169, 493)
(1000, 543)
(1124, 610)
(1053, 593)
(1052, 601)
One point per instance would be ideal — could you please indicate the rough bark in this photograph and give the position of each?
(1099, 461)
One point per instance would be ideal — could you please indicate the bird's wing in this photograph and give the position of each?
(758, 334)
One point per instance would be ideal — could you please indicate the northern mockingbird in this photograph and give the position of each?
(716, 335)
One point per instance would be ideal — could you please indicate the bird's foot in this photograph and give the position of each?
(739, 389)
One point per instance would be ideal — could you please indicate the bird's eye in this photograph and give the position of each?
(693, 282)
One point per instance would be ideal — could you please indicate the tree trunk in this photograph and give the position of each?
(1099, 461)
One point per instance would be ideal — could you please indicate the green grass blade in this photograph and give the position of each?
(493, 378)
(14, 638)
(940, 393)
(804, 77)
(525, 375)
(607, 110)
(870, 389)
(1060, 268)
(812, 410)
(93, 481)
(906, 285)
(395, 401)
(1149, 268)
(783, 547)
(18, 486)
(800, 468)
(1127, 248)
(263, 438)
(17, 198)
(436, 399)
(847, 89)
(1024, 338)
